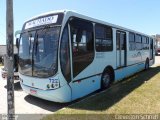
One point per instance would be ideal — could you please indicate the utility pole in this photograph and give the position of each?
(10, 58)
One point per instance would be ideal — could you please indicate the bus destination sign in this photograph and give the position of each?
(41, 21)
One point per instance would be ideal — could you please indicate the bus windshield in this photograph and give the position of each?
(38, 52)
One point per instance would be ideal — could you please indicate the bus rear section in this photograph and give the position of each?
(157, 46)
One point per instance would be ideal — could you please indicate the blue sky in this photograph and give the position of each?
(140, 15)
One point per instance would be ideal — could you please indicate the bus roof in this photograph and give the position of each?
(73, 13)
(47, 13)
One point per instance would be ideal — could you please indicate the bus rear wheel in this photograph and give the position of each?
(106, 79)
(147, 64)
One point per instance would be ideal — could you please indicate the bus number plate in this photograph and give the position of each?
(33, 91)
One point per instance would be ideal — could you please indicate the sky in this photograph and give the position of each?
(139, 15)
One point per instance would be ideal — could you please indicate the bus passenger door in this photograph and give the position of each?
(151, 49)
(82, 45)
(121, 48)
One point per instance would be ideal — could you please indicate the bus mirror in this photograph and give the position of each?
(17, 42)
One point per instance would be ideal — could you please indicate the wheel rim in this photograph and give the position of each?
(106, 80)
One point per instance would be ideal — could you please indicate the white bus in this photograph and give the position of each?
(64, 55)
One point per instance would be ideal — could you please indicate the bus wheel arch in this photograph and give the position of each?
(107, 77)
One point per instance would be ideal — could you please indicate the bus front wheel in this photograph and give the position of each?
(106, 79)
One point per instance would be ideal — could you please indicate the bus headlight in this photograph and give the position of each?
(48, 86)
(54, 84)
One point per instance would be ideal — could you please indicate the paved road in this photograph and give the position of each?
(26, 104)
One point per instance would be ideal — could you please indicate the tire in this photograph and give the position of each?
(147, 65)
(106, 79)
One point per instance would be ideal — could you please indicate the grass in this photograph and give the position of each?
(139, 94)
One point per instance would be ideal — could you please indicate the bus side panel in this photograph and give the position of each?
(145, 54)
(121, 73)
(134, 57)
(84, 87)
(103, 60)
(100, 62)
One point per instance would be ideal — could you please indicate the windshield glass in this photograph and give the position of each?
(38, 52)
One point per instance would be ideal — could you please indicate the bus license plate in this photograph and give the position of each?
(33, 91)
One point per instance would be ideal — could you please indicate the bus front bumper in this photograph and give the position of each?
(60, 95)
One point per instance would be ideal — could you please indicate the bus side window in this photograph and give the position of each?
(132, 43)
(104, 40)
(65, 56)
(138, 40)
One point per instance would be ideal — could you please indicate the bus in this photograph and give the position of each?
(64, 55)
